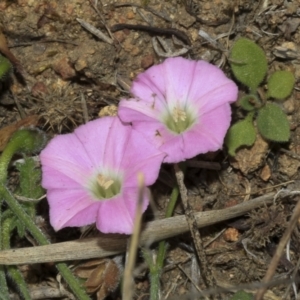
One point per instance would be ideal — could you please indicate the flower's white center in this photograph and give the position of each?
(179, 119)
(178, 114)
(104, 186)
(104, 182)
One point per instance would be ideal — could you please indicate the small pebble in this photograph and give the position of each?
(64, 69)
(38, 89)
(231, 235)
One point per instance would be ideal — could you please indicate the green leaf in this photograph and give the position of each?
(241, 295)
(30, 179)
(249, 102)
(21, 229)
(248, 63)
(273, 124)
(281, 84)
(5, 67)
(240, 134)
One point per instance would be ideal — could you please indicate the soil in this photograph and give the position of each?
(65, 75)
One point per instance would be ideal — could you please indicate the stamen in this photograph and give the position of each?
(178, 114)
(104, 182)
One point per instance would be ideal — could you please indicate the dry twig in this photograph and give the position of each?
(277, 256)
(206, 272)
(111, 244)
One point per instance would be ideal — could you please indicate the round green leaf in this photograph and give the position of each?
(249, 102)
(240, 134)
(281, 84)
(248, 63)
(273, 124)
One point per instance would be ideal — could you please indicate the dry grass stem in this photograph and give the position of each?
(134, 244)
(206, 271)
(279, 251)
(111, 244)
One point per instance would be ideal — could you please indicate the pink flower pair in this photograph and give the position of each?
(180, 109)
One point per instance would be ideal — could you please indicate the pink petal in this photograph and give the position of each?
(93, 136)
(131, 195)
(169, 80)
(182, 80)
(211, 87)
(84, 217)
(65, 204)
(136, 110)
(175, 149)
(226, 93)
(140, 156)
(150, 85)
(116, 144)
(180, 74)
(206, 135)
(117, 215)
(210, 131)
(66, 154)
(53, 179)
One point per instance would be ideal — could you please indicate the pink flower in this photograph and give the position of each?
(91, 175)
(181, 106)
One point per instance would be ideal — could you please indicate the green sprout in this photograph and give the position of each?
(5, 67)
(249, 65)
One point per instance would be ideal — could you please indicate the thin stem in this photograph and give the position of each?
(156, 267)
(22, 215)
(42, 240)
(172, 202)
(3, 283)
(22, 141)
(5, 159)
(12, 271)
(72, 281)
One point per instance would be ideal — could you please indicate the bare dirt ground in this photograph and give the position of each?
(67, 75)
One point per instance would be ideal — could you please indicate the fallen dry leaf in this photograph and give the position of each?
(250, 159)
(103, 276)
(265, 173)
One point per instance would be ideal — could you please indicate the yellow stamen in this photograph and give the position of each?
(104, 182)
(178, 114)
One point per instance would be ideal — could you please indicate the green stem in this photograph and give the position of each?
(17, 209)
(156, 267)
(12, 271)
(5, 159)
(72, 281)
(42, 240)
(22, 141)
(3, 283)
(172, 202)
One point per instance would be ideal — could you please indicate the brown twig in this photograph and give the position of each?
(156, 30)
(102, 19)
(206, 272)
(154, 12)
(111, 244)
(276, 258)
